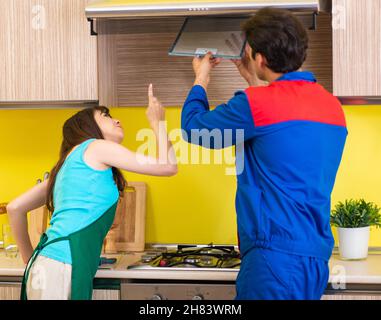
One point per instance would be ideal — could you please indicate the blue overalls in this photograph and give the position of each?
(294, 136)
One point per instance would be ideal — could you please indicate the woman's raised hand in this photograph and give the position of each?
(155, 111)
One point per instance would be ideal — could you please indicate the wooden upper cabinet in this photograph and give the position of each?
(134, 52)
(356, 47)
(344, 53)
(47, 52)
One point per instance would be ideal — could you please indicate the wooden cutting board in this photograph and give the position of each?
(128, 230)
(37, 225)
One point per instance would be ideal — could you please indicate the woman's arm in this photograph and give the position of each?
(17, 212)
(156, 117)
(115, 155)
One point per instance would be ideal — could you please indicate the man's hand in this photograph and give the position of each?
(246, 70)
(202, 68)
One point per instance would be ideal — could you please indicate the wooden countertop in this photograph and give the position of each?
(351, 272)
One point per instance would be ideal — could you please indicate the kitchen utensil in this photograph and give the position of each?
(128, 230)
(46, 175)
(105, 260)
(3, 208)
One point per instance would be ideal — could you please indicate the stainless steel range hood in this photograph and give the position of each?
(162, 8)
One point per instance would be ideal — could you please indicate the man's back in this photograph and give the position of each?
(290, 165)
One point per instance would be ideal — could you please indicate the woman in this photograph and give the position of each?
(82, 192)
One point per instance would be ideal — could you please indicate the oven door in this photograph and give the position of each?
(176, 290)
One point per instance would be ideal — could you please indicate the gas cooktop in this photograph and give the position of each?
(190, 257)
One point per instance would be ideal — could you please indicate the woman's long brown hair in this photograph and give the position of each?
(77, 129)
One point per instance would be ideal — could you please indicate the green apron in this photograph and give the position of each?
(85, 246)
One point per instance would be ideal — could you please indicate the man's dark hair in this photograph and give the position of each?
(280, 37)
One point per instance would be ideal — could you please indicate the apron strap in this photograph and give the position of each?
(85, 246)
(42, 244)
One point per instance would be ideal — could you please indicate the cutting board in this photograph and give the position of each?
(128, 230)
(37, 225)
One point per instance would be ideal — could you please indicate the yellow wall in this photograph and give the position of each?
(197, 205)
(359, 175)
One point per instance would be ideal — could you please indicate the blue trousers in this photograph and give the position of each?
(271, 275)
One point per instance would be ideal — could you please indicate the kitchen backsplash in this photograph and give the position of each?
(197, 205)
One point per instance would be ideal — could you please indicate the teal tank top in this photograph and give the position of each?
(81, 195)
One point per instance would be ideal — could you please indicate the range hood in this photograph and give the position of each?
(161, 8)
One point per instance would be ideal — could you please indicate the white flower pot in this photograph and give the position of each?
(353, 243)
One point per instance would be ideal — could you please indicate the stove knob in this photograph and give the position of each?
(163, 263)
(198, 297)
(156, 297)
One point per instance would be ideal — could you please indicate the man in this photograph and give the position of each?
(294, 136)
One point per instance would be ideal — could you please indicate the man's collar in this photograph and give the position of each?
(298, 75)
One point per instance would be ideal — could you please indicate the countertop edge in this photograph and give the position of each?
(190, 276)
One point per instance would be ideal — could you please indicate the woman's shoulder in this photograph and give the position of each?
(94, 144)
(95, 150)
(100, 144)
(88, 141)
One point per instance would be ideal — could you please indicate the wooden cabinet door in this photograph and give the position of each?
(10, 291)
(47, 52)
(356, 47)
(353, 296)
(102, 294)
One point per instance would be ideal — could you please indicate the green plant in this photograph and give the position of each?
(356, 214)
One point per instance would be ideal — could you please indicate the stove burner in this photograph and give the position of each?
(196, 257)
(206, 260)
(149, 256)
(192, 260)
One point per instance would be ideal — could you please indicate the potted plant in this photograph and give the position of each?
(353, 219)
